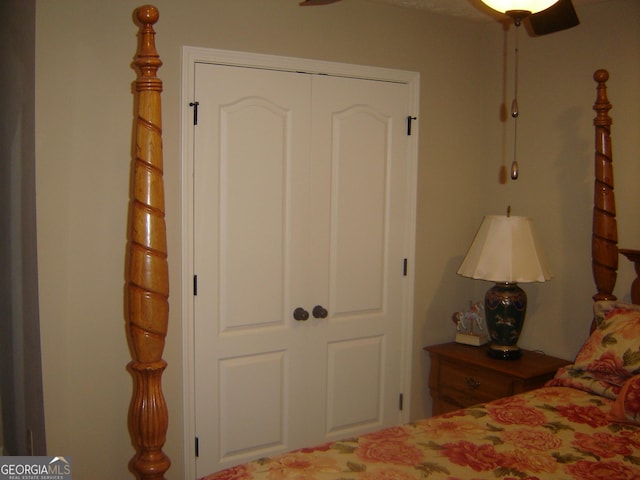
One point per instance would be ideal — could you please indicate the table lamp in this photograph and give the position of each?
(505, 250)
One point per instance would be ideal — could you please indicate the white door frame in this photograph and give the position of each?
(193, 55)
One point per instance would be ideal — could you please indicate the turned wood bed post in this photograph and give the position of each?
(634, 256)
(604, 246)
(147, 276)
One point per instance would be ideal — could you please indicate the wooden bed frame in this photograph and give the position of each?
(147, 284)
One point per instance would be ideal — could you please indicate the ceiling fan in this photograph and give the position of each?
(544, 16)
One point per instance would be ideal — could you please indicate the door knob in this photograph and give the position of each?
(319, 312)
(300, 314)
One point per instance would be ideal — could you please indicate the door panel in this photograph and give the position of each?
(253, 253)
(358, 209)
(355, 384)
(251, 423)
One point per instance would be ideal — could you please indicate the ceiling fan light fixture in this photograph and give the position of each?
(528, 6)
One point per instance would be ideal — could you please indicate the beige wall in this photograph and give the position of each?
(83, 124)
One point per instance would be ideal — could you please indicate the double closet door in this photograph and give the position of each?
(301, 217)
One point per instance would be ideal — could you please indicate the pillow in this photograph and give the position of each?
(612, 352)
(611, 355)
(626, 408)
(607, 308)
(581, 380)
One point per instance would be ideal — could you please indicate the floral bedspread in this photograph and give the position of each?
(550, 433)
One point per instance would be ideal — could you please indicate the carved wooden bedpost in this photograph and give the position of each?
(605, 233)
(147, 269)
(634, 256)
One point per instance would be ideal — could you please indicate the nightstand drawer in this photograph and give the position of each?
(474, 384)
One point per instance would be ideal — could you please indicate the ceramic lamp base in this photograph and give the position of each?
(505, 308)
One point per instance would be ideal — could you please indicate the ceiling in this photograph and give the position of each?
(470, 9)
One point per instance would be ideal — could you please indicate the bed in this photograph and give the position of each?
(584, 424)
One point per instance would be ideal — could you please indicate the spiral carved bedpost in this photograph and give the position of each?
(147, 268)
(604, 246)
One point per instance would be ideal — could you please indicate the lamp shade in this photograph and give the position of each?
(531, 6)
(505, 249)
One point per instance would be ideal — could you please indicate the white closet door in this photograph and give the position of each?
(250, 178)
(299, 201)
(360, 173)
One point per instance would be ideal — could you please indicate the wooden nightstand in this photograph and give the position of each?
(463, 375)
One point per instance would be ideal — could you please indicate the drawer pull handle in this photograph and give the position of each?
(472, 382)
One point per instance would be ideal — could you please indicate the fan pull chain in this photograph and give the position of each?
(515, 112)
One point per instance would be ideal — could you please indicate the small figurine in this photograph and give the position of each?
(459, 320)
(470, 325)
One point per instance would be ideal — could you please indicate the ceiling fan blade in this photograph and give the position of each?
(557, 17)
(317, 2)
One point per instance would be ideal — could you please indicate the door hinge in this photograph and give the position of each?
(401, 402)
(197, 447)
(195, 111)
(195, 285)
(405, 267)
(409, 119)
